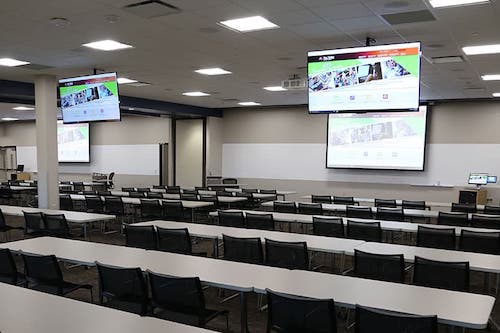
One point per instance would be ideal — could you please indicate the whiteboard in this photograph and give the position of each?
(121, 159)
(446, 164)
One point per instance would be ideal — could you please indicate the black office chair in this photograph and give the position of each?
(123, 289)
(247, 250)
(359, 212)
(128, 189)
(291, 255)
(56, 225)
(326, 199)
(370, 320)
(367, 231)
(390, 214)
(414, 204)
(190, 191)
(436, 237)
(441, 274)
(78, 186)
(151, 209)
(6, 195)
(91, 192)
(181, 299)
(189, 197)
(294, 314)
(94, 204)
(268, 191)
(259, 221)
(491, 210)
(249, 190)
(137, 195)
(221, 193)
(463, 207)
(8, 269)
(210, 198)
(229, 181)
(174, 240)
(154, 195)
(174, 189)
(310, 209)
(109, 183)
(114, 206)
(44, 274)
(328, 226)
(385, 267)
(284, 207)
(65, 202)
(4, 227)
(143, 189)
(143, 237)
(389, 203)
(483, 221)
(104, 193)
(482, 242)
(34, 225)
(231, 219)
(173, 210)
(453, 219)
(344, 200)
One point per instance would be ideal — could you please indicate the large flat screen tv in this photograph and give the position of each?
(383, 77)
(385, 140)
(89, 98)
(73, 142)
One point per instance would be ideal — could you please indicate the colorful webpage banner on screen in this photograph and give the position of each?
(385, 140)
(385, 77)
(90, 98)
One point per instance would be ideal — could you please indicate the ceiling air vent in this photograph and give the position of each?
(409, 17)
(151, 9)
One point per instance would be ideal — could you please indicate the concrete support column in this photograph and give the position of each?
(46, 141)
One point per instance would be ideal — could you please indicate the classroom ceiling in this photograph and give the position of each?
(169, 48)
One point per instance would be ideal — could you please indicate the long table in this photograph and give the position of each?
(80, 218)
(29, 311)
(468, 310)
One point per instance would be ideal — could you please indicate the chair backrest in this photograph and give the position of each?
(136, 194)
(189, 196)
(367, 231)
(414, 204)
(288, 313)
(33, 222)
(154, 195)
(463, 207)
(56, 224)
(178, 294)
(173, 210)
(359, 212)
(390, 214)
(143, 189)
(328, 226)
(436, 237)
(310, 208)
(104, 193)
(128, 189)
(94, 204)
(493, 210)
(343, 200)
(111, 176)
(43, 270)
(91, 192)
(231, 219)
(268, 191)
(455, 219)
(8, 269)
(385, 267)
(441, 274)
(250, 190)
(114, 205)
(174, 240)
(221, 193)
(482, 242)
(65, 202)
(260, 221)
(209, 198)
(78, 186)
(151, 208)
(174, 190)
(373, 320)
(291, 255)
(247, 250)
(229, 181)
(124, 285)
(483, 221)
(391, 203)
(284, 207)
(143, 237)
(189, 191)
(327, 199)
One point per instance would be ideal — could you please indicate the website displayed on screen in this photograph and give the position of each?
(90, 98)
(388, 140)
(73, 142)
(385, 77)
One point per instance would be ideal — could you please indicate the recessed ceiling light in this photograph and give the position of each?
(9, 62)
(212, 71)
(9, 119)
(139, 84)
(23, 108)
(252, 23)
(275, 88)
(481, 49)
(490, 77)
(497, 94)
(107, 45)
(452, 3)
(446, 60)
(124, 80)
(195, 94)
(249, 103)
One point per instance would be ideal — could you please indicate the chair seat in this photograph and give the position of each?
(67, 288)
(189, 318)
(6, 228)
(21, 279)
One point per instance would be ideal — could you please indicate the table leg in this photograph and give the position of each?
(244, 310)
(85, 231)
(216, 248)
(192, 214)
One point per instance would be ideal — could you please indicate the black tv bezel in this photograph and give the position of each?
(76, 162)
(91, 121)
(424, 164)
(374, 110)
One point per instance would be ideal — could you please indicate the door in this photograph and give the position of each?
(164, 170)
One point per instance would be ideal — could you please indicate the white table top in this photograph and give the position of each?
(468, 310)
(278, 192)
(29, 311)
(137, 201)
(71, 216)
(315, 243)
(23, 188)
